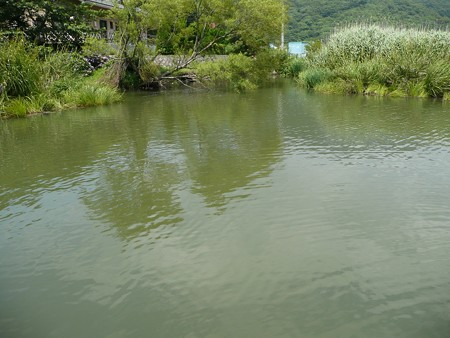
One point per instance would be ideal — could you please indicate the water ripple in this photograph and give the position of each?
(273, 214)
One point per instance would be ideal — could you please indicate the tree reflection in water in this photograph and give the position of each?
(206, 145)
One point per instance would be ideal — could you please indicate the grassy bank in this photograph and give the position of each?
(384, 61)
(34, 80)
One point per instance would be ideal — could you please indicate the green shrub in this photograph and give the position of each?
(437, 79)
(235, 72)
(373, 71)
(239, 72)
(294, 66)
(348, 72)
(313, 77)
(96, 46)
(270, 60)
(59, 87)
(130, 80)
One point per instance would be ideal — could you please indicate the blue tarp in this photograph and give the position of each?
(297, 48)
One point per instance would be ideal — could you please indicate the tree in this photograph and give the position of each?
(190, 28)
(61, 23)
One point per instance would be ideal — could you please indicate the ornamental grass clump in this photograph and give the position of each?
(413, 62)
(16, 107)
(437, 78)
(20, 69)
(92, 95)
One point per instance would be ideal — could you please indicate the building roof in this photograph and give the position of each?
(105, 4)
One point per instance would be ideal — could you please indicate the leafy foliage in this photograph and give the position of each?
(190, 29)
(61, 23)
(239, 72)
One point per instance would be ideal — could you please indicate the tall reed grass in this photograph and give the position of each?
(20, 68)
(395, 61)
(34, 79)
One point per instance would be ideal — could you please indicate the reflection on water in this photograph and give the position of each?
(210, 147)
(278, 213)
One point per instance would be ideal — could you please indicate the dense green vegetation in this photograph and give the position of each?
(310, 20)
(41, 64)
(61, 24)
(377, 60)
(36, 79)
(239, 72)
(189, 29)
(44, 45)
(38, 73)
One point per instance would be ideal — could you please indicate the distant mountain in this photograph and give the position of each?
(315, 19)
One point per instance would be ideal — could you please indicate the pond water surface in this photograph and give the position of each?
(276, 213)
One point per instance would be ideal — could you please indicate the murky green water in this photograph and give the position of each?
(272, 214)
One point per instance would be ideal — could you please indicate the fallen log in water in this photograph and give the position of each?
(167, 81)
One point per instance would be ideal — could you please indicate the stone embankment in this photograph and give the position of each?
(170, 61)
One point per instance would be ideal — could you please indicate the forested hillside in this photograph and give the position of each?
(315, 19)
